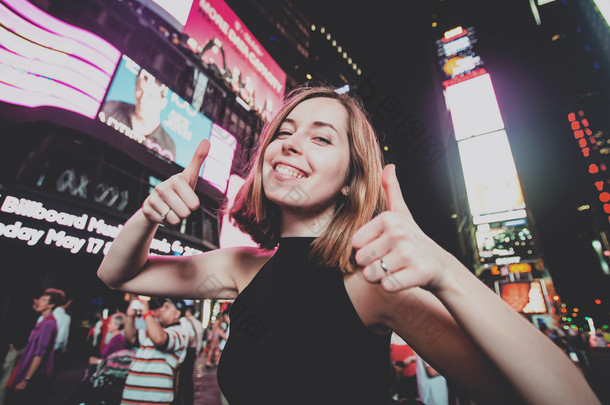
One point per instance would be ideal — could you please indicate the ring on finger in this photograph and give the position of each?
(165, 214)
(383, 266)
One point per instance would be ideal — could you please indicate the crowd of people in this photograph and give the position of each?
(146, 354)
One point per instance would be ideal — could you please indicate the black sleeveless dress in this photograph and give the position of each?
(297, 339)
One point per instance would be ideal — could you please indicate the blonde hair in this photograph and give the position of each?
(257, 216)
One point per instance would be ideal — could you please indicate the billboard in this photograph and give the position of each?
(230, 234)
(145, 110)
(490, 175)
(173, 11)
(474, 107)
(47, 62)
(67, 228)
(228, 47)
(527, 297)
(217, 166)
(504, 239)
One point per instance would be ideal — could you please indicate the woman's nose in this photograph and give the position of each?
(292, 144)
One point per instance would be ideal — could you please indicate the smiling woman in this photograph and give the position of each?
(341, 263)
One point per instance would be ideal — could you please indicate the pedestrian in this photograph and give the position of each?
(162, 348)
(341, 264)
(185, 386)
(34, 373)
(432, 387)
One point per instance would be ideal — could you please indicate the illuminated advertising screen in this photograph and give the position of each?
(473, 106)
(504, 239)
(217, 166)
(46, 62)
(490, 175)
(227, 46)
(67, 228)
(173, 11)
(145, 110)
(527, 297)
(230, 235)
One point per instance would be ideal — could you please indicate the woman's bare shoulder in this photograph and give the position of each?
(244, 262)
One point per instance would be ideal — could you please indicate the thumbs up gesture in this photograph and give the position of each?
(175, 198)
(393, 250)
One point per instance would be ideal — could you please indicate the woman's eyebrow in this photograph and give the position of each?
(317, 124)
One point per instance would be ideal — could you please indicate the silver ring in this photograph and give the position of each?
(383, 266)
(165, 214)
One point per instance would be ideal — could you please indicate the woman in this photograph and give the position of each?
(116, 342)
(311, 320)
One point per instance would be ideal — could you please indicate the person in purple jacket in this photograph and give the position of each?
(116, 343)
(34, 374)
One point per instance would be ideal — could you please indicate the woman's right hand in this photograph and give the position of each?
(174, 199)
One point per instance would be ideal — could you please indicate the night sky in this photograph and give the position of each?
(401, 89)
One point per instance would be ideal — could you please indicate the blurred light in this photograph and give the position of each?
(571, 117)
(593, 168)
(598, 301)
(604, 197)
(555, 37)
(339, 49)
(434, 24)
(575, 310)
(535, 12)
(575, 125)
(569, 319)
(574, 314)
(359, 72)
(454, 216)
(343, 90)
(555, 297)
(386, 148)
(583, 208)
(313, 27)
(349, 60)
(604, 9)
(334, 42)
(328, 36)
(354, 66)
(453, 32)
(322, 30)
(344, 55)
(308, 76)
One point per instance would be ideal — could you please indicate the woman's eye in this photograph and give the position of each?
(283, 134)
(323, 140)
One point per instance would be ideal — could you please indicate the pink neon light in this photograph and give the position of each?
(57, 65)
(104, 54)
(469, 76)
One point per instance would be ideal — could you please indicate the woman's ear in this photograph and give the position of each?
(345, 190)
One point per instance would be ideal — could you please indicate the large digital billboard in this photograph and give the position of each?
(47, 62)
(226, 45)
(500, 240)
(490, 175)
(474, 107)
(528, 297)
(173, 11)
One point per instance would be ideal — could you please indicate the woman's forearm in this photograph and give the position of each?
(129, 251)
(541, 372)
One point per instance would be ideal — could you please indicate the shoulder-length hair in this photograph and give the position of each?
(257, 216)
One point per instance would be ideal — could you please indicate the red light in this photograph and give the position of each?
(571, 117)
(588, 131)
(598, 301)
(581, 113)
(578, 134)
(575, 125)
(599, 185)
(603, 167)
(555, 297)
(593, 168)
(564, 310)
(592, 140)
(585, 122)
(582, 142)
(585, 152)
(607, 208)
(606, 252)
(604, 197)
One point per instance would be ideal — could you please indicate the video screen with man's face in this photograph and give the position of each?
(147, 111)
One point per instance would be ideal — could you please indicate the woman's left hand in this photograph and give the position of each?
(393, 240)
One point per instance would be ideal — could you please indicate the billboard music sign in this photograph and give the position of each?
(227, 46)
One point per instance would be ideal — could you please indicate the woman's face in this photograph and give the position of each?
(306, 164)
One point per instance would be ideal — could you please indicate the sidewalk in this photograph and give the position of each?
(70, 374)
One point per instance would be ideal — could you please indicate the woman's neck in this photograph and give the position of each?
(298, 223)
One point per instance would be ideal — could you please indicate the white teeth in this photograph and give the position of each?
(288, 171)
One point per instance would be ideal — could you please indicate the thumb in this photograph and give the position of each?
(396, 202)
(192, 170)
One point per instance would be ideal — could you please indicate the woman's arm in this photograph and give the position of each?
(127, 265)
(476, 321)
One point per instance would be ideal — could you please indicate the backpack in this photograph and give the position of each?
(112, 371)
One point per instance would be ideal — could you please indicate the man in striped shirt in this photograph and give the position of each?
(162, 349)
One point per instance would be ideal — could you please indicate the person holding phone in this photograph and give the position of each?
(341, 263)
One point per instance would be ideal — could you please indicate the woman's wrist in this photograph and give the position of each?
(147, 314)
